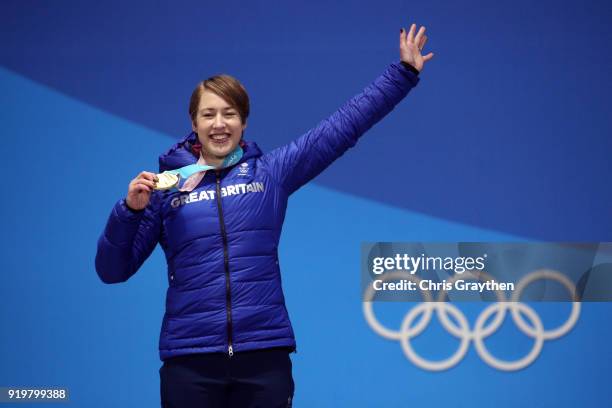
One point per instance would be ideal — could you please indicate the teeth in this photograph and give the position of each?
(220, 137)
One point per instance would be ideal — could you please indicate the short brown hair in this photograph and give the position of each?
(226, 87)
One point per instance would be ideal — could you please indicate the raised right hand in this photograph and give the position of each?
(140, 189)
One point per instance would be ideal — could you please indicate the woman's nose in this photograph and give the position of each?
(219, 122)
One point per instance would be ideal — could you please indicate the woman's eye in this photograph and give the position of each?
(230, 114)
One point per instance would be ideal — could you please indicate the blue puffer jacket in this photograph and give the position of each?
(221, 240)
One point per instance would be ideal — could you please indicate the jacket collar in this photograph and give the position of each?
(181, 153)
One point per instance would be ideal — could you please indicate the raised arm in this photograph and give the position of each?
(301, 160)
(131, 233)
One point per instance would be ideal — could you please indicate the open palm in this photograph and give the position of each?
(411, 47)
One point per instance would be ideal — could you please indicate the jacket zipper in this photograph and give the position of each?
(228, 304)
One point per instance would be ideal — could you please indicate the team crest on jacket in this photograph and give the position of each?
(243, 169)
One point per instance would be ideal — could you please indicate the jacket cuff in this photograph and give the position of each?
(407, 71)
(126, 214)
(410, 68)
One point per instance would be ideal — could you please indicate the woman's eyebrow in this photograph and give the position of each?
(213, 109)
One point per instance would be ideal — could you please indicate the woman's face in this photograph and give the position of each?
(218, 126)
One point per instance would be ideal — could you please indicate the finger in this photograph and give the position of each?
(411, 33)
(147, 175)
(419, 36)
(402, 37)
(423, 42)
(145, 182)
(428, 57)
(142, 188)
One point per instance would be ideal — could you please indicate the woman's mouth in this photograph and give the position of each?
(220, 138)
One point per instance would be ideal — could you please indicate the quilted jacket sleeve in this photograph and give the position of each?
(127, 241)
(303, 159)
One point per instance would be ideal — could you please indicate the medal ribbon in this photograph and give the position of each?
(190, 176)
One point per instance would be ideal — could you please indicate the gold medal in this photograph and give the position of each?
(166, 180)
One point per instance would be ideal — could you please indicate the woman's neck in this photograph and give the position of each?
(212, 160)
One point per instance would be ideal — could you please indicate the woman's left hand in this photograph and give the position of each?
(411, 47)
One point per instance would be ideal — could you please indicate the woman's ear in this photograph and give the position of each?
(244, 125)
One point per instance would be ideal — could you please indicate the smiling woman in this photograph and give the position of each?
(226, 335)
(218, 108)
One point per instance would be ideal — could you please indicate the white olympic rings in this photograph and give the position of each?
(536, 330)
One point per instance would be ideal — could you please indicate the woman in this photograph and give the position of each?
(226, 335)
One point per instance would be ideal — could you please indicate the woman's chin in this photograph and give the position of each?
(219, 152)
(222, 152)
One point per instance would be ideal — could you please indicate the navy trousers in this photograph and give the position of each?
(249, 379)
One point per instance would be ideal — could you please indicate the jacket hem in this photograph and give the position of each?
(238, 347)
